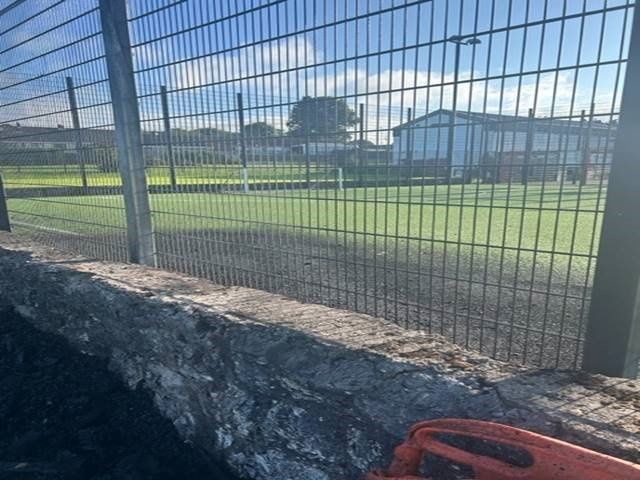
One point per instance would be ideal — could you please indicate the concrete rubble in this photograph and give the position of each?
(279, 389)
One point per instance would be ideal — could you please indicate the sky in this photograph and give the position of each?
(555, 56)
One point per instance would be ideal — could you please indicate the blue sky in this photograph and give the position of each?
(388, 54)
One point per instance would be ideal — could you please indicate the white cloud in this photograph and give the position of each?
(274, 73)
(388, 94)
(283, 55)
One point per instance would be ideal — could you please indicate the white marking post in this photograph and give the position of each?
(245, 179)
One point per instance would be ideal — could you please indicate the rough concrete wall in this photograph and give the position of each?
(279, 389)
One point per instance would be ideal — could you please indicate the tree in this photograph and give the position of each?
(364, 143)
(260, 131)
(210, 134)
(321, 119)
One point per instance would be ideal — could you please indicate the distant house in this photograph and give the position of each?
(499, 147)
(47, 138)
(22, 145)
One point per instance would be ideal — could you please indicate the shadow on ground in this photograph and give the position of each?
(65, 417)
(523, 308)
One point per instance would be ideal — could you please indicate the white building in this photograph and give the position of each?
(505, 139)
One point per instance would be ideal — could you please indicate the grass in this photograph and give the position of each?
(320, 244)
(70, 176)
(552, 225)
(550, 219)
(58, 176)
(31, 177)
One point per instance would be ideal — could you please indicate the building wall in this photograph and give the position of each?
(426, 141)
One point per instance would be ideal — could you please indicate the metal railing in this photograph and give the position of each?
(443, 164)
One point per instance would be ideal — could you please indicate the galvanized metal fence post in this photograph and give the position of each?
(75, 119)
(612, 345)
(528, 148)
(359, 162)
(5, 224)
(586, 148)
(582, 151)
(243, 145)
(126, 117)
(409, 155)
(167, 133)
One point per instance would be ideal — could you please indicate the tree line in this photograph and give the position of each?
(311, 119)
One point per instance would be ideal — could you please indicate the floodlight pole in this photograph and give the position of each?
(458, 41)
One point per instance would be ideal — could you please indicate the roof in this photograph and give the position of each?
(105, 136)
(18, 133)
(519, 122)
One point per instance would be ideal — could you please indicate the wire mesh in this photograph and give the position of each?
(49, 160)
(439, 163)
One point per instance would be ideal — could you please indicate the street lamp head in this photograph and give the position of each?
(461, 40)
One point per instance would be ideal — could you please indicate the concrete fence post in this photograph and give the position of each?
(75, 120)
(5, 224)
(612, 344)
(117, 46)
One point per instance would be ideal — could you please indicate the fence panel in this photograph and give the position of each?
(56, 128)
(440, 163)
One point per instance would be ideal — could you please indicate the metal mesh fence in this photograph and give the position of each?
(56, 128)
(442, 164)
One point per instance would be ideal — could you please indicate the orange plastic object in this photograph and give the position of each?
(552, 459)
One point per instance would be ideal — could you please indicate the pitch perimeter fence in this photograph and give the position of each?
(464, 167)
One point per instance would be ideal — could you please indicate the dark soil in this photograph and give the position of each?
(483, 302)
(63, 415)
(518, 311)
